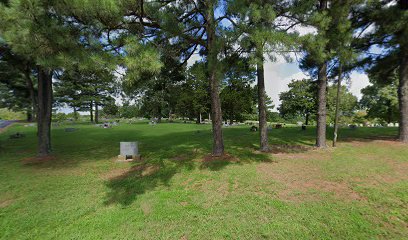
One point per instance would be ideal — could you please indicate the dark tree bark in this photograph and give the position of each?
(216, 114)
(31, 90)
(159, 116)
(44, 111)
(29, 115)
(75, 114)
(321, 111)
(337, 111)
(307, 119)
(403, 96)
(91, 111)
(198, 120)
(96, 113)
(389, 111)
(263, 124)
(321, 96)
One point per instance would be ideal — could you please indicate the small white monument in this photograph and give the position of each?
(129, 151)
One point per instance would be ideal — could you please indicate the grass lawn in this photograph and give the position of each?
(357, 191)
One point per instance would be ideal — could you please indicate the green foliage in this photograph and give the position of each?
(59, 117)
(110, 109)
(140, 59)
(299, 100)
(237, 98)
(38, 30)
(348, 104)
(129, 111)
(193, 96)
(14, 71)
(381, 101)
(332, 42)
(81, 88)
(6, 114)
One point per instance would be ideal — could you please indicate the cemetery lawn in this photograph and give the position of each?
(358, 190)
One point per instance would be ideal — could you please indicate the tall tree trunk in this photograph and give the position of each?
(44, 111)
(216, 114)
(96, 113)
(159, 116)
(337, 111)
(91, 111)
(263, 124)
(307, 119)
(29, 115)
(170, 117)
(198, 119)
(403, 96)
(31, 90)
(389, 110)
(75, 114)
(321, 111)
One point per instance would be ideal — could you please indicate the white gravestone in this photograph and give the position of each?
(129, 150)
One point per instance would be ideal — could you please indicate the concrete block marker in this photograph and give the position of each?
(129, 151)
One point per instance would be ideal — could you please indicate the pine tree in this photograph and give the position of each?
(23, 22)
(389, 22)
(260, 32)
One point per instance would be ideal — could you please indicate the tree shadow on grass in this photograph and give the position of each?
(171, 153)
(167, 151)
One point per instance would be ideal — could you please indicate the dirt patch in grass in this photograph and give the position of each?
(311, 154)
(146, 208)
(217, 162)
(286, 148)
(6, 202)
(224, 158)
(398, 173)
(181, 157)
(142, 170)
(38, 160)
(381, 141)
(302, 180)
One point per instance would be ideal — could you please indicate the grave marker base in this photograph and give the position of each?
(129, 158)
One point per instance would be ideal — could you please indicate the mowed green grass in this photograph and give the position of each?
(358, 190)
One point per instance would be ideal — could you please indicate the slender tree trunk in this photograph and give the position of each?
(31, 90)
(91, 111)
(96, 113)
(218, 142)
(159, 116)
(263, 124)
(337, 111)
(321, 111)
(29, 115)
(307, 119)
(403, 96)
(198, 119)
(389, 110)
(44, 111)
(75, 114)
